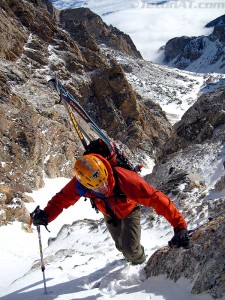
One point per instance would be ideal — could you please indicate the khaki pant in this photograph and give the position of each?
(127, 235)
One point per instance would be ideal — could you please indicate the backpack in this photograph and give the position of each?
(116, 157)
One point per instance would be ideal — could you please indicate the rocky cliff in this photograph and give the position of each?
(197, 142)
(82, 23)
(199, 54)
(203, 121)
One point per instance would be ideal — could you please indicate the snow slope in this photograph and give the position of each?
(82, 262)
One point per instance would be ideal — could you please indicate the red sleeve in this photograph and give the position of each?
(65, 198)
(137, 189)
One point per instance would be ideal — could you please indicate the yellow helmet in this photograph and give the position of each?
(90, 171)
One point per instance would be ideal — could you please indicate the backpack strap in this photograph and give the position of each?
(117, 190)
(118, 193)
(108, 209)
(82, 190)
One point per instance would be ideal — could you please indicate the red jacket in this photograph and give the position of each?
(136, 189)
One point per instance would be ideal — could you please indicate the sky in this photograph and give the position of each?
(151, 26)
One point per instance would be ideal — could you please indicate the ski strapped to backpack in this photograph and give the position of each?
(103, 146)
(72, 105)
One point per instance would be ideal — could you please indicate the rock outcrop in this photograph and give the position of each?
(86, 20)
(204, 120)
(202, 263)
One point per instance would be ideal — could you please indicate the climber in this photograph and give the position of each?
(118, 193)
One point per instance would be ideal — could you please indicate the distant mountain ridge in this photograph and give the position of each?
(199, 54)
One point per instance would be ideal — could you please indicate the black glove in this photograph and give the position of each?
(180, 238)
(39, 217)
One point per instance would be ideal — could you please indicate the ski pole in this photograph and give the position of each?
(42, 260)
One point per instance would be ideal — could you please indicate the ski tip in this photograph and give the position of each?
(48, 78)
(52, 83)
(51, 80)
